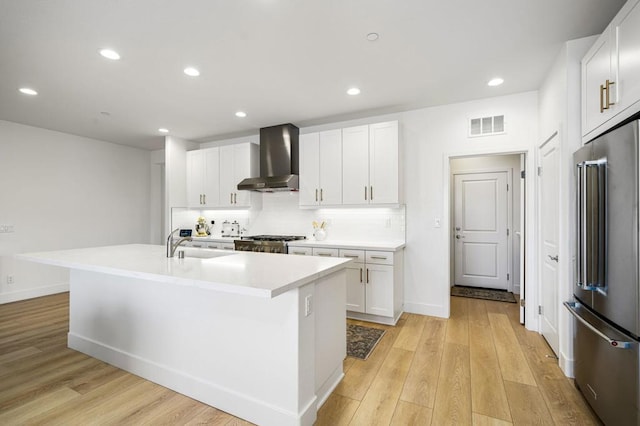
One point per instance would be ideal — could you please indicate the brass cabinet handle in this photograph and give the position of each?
(367, 275)
(235, 198)
(299, 252)
(360, 274)
(231, 198)
(324, 254)
(204, 198)
(365, 193)
(601, 99)
(608, 85)
(371, 193)
(316, 194)
(379, 257)
(355, 256)
(321, 195)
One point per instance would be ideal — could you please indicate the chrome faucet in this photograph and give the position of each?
(171, 246)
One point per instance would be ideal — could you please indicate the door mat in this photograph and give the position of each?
(483, 293)
(361, 340)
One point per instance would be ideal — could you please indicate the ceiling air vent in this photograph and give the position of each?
(485, 126)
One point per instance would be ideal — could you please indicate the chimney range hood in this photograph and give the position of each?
(278, 160)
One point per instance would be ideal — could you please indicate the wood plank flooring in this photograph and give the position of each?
(480, 367)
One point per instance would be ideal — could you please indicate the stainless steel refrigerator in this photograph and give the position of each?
(607, 299)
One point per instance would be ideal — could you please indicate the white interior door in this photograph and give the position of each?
(548, 236)
(481, 230)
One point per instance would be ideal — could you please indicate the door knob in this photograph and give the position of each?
(457, 228)
(459, 236)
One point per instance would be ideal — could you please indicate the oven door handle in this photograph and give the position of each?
(618, 344)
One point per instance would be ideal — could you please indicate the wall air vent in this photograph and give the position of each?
(485, 126)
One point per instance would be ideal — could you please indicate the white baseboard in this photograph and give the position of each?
(425, 309)
(332, 382)
(15, 296)
(230, 401)
(566, 365)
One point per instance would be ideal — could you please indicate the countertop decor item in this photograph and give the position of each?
(361, 340)
(202, 229)
(319, 230)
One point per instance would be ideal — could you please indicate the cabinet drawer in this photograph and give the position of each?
(301, 251)
(356, 255)
(326, 252)
(380, 257)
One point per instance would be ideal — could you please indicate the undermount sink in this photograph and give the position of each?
(202, 253)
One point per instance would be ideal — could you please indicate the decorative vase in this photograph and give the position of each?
(320, 234)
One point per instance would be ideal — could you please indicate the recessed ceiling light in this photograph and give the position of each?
(353, 91)
(241, 114)
(191, 72)
(110, 54)
(373, 36)
(495, 82)
(163, 130)
(28, 91)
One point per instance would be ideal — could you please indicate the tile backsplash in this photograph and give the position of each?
(281, 215)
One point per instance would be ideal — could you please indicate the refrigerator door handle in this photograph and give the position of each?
(618, 344)
(590, 223)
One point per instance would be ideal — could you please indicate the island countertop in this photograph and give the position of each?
(252, 274)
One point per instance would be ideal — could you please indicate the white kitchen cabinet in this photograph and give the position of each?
(370, 283)
(202, 178)
(627, 25)
(370, 164)
(611, 74)
(237, 162)
(375, 280)
(321, 168)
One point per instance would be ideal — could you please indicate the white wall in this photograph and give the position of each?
(63, 191)
(560, 112)
(431, 136)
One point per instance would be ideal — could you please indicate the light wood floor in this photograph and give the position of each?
(480, 367)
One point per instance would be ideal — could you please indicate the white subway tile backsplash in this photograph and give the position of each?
(281, 214)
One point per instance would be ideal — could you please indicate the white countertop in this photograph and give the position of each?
(247, 273)
(351, 244)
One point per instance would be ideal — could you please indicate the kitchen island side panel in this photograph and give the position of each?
(252, 357)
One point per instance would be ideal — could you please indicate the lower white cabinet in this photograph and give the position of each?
(374, 281)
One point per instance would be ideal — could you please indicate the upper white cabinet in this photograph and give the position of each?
(628, 41)
(213, 175)
(611, 74)
(202, 178)
(370, 164)
(321, 168)
(237, 162)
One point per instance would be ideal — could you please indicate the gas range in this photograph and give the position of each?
(266, 243)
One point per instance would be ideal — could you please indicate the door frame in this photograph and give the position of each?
(528, 231)
(509, 215)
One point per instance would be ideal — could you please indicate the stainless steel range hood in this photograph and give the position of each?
(278, 160)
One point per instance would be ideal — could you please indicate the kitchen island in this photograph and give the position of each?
(260, 336)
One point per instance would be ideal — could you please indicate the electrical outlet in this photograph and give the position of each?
(436, 222)
(307, 305)
(6, 229)
(10, 279)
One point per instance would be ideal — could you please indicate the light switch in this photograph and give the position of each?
(436, 222)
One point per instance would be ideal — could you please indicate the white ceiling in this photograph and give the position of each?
(278, 60)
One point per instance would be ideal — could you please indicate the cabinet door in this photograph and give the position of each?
(379, 290)
(211, 181)
(241, 170)
(195, 178)
(355, 165)
(330, 167)
(383, 163)
(227, 174)
(628, 42)
(596, 70)
(309, 151)
(355, 287)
